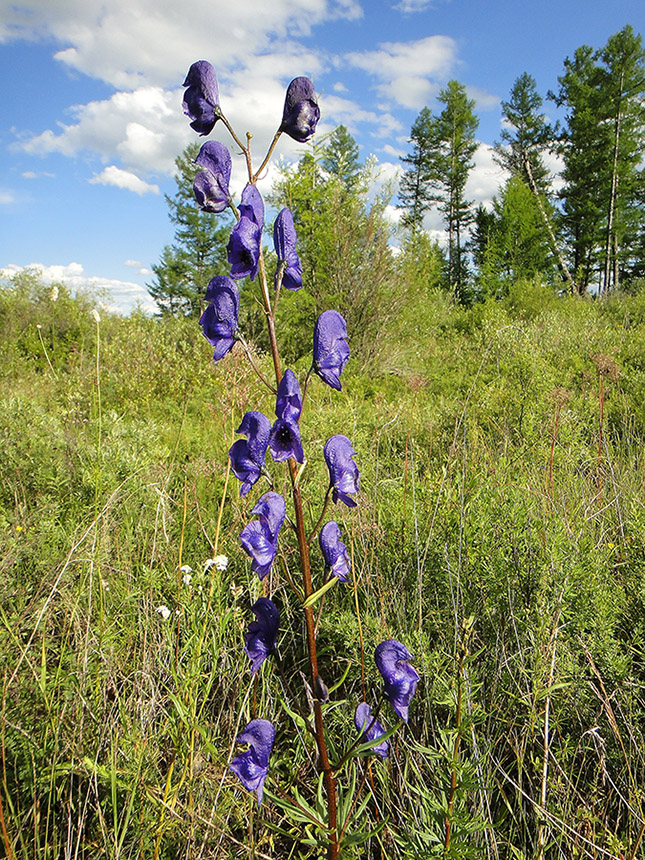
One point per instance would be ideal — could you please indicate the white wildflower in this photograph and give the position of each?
(54, 293)
(186, 568)
(186, 578)
(163, 611)
(220, 562)
(96, 315)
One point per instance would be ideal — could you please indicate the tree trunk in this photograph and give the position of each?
(613, 193)
(566, 274)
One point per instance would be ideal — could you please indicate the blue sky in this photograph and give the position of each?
(91, 102)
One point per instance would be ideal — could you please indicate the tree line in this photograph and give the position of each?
(585, 233)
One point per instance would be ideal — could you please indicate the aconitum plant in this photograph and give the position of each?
(276, 531)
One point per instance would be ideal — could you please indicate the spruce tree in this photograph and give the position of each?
(443, 148)
(601, 145)
(198, 252)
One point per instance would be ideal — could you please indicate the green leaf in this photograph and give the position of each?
(315, 597)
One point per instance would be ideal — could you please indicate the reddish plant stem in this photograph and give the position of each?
(325, 766)
(303, 546)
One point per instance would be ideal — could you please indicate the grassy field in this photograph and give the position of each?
(500, 534)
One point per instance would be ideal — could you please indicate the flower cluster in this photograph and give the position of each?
(219, 321)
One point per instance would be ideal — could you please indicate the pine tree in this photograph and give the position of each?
(601, 145)
(443, 147)
(527, 134)
(521, 149)
(340, 157)
(199, 248)
(415, 196)
(450, 165)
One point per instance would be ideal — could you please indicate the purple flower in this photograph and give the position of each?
(219, 320)
(331, 350)
(400, 678)
(370, 728)
(334, 550)
(261, 637)
(288, 402)
(285, 442)
(244, 245)
(343, 471)
(201, 99)
(252, 765)
(284, 242)
(247, 455)
(252, 205)
(301, 112)
(211, 184)
(260, 537)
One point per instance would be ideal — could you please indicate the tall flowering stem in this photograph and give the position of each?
(301, 534)
(260, 537)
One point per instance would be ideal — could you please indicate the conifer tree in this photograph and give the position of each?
(340, 157)
(198, 252)
(415, 195)
(443, 147)
(601, 144)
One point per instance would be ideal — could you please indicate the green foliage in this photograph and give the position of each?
(601, 145)
(343, 246)
(512, 242)
(443, 147)
(485, 509)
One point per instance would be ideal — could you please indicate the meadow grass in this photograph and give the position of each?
(499, 535)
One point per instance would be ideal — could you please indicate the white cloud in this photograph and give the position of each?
(144, 128)
(408, 71)
(119, 42)
(113, 175)
(483, 99)
(117, 296)
(412, 5)
(6, 197)
(486, 177)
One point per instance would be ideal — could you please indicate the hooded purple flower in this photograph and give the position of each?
(201, 99)
(285, 441)
(400, 678)
(261, 637)
(252, 205)
(252, 765)
(243, 247)
(284, 242)
(370, 728)
(334, 550)
(331, 350)
(247, 455)
(301, 112)
(343, 471)
(260, 537)
(219, 320)
(288, 401)
(211, 184)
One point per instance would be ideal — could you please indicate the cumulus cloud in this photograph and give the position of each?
(113, 175)
(412, 5)
(145, 128)
(118, 42)
(409, 72)
(486, 177)
(114, 295)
